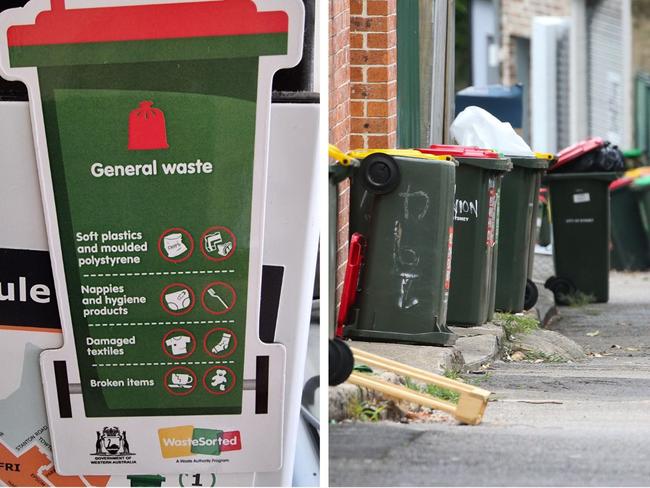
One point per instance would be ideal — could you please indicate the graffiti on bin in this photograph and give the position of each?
(406, 259)
(464, 209)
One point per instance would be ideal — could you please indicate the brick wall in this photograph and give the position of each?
(517, 21)
(373, 73)
(339, 118)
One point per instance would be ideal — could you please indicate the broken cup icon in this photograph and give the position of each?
(178, 300)
(181, 380)
(174, 245)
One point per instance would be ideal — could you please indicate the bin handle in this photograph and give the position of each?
(338, 155)
(57, 5)
(351, 280)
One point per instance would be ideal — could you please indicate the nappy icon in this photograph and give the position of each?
(178, 300)
(174, 245)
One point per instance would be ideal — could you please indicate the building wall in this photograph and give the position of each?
(641, 35)
(339, 119)
(516, 21)
(373, 73)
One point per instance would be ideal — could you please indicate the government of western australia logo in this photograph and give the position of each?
(112, 447)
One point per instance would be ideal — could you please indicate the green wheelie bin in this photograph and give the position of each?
(641, 187)
(630, 246)
(476, 221)
(580, 213)
(401, 210)
(517, 222)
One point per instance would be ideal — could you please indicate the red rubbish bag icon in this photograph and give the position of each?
(147, 128)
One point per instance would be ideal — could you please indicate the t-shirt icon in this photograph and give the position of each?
(178, 344)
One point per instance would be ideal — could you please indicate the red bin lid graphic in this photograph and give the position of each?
(155, 32)
(146, 22)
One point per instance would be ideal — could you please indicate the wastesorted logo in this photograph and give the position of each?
(188, 441)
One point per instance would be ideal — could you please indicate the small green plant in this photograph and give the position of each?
(539, 355)
(577, 299)
(478, 379)
(452, 374)
(433, 390)
(362, 368)
(516, 324)
(366, 412)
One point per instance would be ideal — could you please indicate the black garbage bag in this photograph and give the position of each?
(608, 158)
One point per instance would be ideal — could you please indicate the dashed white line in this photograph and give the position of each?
(157, 273)
(189, 322)
(179, 363)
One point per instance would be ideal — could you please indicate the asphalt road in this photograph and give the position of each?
(595, 431)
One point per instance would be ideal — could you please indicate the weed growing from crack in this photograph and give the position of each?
(365, 411)
(433, 390)
(546, 358)
(577, 299)
(516, 324)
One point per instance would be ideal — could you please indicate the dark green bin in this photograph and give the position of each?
(476, 211)
(405, 222)
(630, 246)
(517, 225)
(580, 213)
(641, 187)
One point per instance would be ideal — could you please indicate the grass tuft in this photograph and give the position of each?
(577, 299)
(365, 412)
(433, 390)
(516, 324)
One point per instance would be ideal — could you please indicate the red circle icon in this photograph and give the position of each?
(180, 381)
(220, 299)
(225, 346)
(175, 245)
(178, 341)
(177, 299)
(215, 387)
(218, 243)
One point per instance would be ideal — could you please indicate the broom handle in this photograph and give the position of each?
(415, 373)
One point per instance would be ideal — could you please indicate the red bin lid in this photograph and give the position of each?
(460, 151)
(620, 183)
(146, 22)
(570, 153)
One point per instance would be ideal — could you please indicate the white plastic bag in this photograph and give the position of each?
(477, 127)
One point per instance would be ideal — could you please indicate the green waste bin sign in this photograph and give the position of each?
(151, 131)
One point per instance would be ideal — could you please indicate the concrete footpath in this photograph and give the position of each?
(585, 422)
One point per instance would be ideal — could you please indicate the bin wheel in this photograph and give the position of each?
(562, 289)
(341, 362)
(379, 173)
(531, 295)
